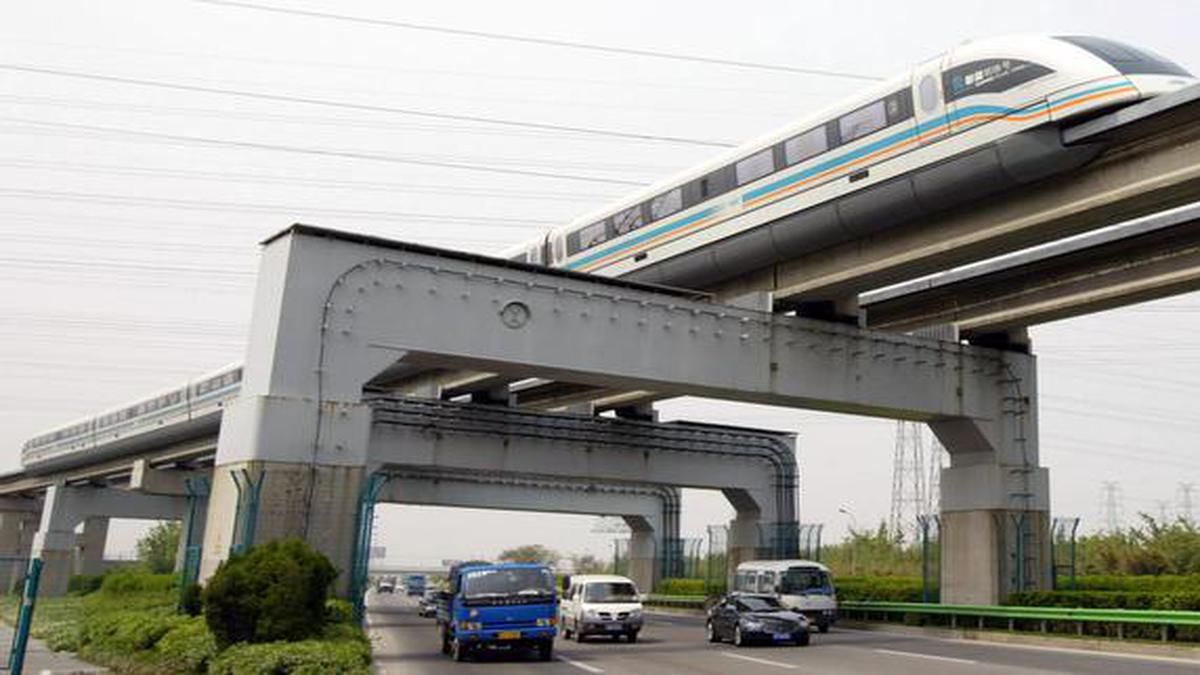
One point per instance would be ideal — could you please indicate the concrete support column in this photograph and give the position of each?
(317, 503)
(89, 546)
(995, 532)
(744, 542)
(16, 542)
(54, 542)
(644, 559)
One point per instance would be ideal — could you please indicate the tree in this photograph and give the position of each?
(156, 550)
(535, 553)
(272, 592)
(587, 563)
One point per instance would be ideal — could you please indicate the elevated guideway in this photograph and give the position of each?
(1147, 259)
(1150, 163)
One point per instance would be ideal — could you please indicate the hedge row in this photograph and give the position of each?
(1108, 599)
(681, 586)
(1165, 583)
(881, 589)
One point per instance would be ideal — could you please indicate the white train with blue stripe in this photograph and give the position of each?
(188, 411)
(977, 120)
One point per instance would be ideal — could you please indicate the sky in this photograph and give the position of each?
(147, 146)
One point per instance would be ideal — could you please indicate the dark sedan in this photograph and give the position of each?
(746, 619)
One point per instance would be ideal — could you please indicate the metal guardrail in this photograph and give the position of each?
(1167, 619)
(680, 601)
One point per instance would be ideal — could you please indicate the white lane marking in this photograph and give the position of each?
(1035, 648)
(925, 656)
(764, 662)
(580, 665)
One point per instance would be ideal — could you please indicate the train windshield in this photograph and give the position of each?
(1129, 60)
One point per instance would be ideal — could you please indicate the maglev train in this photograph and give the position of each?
(178, 411)
(979, 119)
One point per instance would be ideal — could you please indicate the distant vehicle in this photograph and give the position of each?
(498, 606)
(386, 587)
(429, 603)
(600, 604)
(745, 619)
(801, 585)
(414, 584)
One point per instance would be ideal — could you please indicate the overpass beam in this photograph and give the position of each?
(65, 508)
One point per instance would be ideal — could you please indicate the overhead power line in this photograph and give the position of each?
(545, 42)
(349, 154)
(349, 105)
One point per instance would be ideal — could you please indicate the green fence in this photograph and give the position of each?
(1041, 618)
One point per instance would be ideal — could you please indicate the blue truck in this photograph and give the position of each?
(414, 584)
(498, 606)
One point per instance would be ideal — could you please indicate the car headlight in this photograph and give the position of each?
(546, 622)
(470, 625)
(752, 625)
(590, 614)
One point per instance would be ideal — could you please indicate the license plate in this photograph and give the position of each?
(615, 626)
(782, 636)
(509, 635)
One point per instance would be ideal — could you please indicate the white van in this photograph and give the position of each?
(801, 585)
(600, 604)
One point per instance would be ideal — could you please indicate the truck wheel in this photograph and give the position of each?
(566, 633)
(459, 650)
(545, 650)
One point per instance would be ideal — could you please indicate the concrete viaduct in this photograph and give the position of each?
(356, 344)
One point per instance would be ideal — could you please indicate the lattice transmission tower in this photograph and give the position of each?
(1112, 506)
(916, 473)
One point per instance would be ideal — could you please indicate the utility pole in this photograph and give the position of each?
(1185, 502)
(1110, 506)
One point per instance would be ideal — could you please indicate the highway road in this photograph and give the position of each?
(406, 644)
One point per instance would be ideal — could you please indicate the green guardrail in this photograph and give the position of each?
(1167, 619)
(679, 601)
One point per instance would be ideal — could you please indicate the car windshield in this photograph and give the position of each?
(802, 580)
(616, 591)
(756, 604)
(507, 582)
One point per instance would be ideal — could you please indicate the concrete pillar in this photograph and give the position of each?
(327, 494)
(16, 541)
(744, 542)
(89, 546)
(995, 532)
(54, 542)
(644, 563)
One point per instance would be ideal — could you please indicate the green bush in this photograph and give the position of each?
(679, 586)
(339, 611)
(187, 648)
(83, 584)
(124, 632)
(1108, 600)
(272, 592)
(124, 582)
(192, 601)
(309, 657)
(882, 589)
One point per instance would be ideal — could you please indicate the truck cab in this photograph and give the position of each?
(498, 606)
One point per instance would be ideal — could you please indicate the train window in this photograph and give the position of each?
(899, 106)
(755, 166)
(862, 122)
(717, 183)
(805, 146)
(628, 220)
(989, 77)
(1126, 59)
(587, 237)
(666, 204)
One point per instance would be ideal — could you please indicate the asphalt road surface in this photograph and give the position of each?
(406, 644)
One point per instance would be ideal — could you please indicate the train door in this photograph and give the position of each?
(929, 103)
